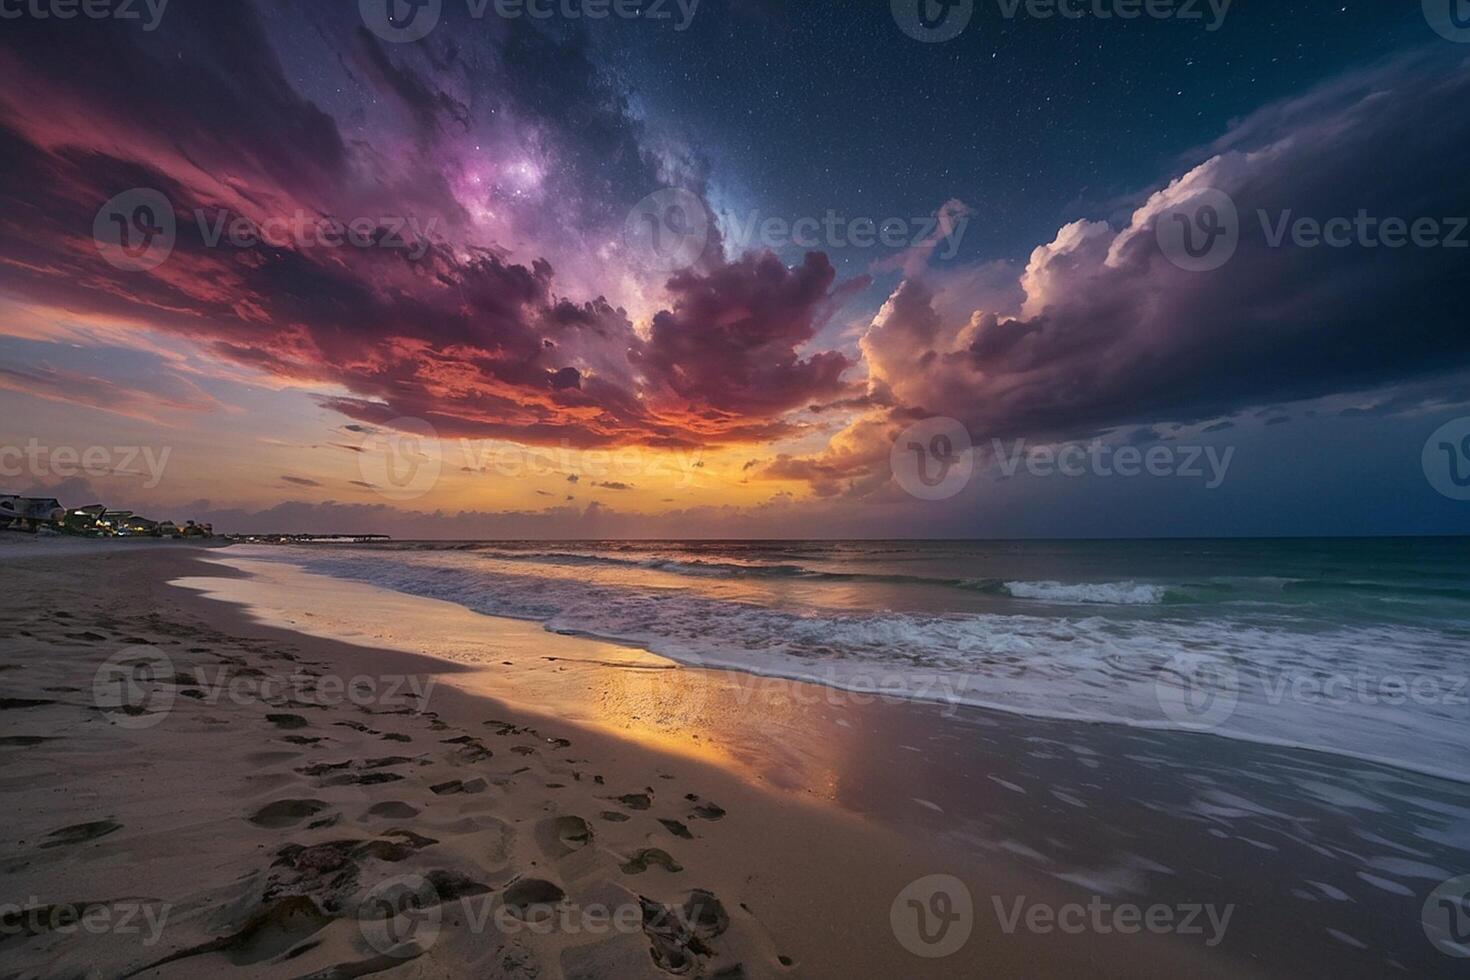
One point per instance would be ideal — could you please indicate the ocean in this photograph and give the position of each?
(1358, 647)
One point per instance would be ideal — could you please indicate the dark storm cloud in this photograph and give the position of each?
(1113, 333)
(730, 339)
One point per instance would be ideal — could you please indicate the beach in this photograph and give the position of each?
(220, 762)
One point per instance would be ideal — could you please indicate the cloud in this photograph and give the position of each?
(491, 156)
(1110, 333)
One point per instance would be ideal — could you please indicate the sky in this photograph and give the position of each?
(739, 268)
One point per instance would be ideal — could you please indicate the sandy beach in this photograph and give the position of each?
(214, 767)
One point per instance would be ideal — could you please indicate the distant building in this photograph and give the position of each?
(138, 526)
(87, 520)
(45, 514)
(29, 513)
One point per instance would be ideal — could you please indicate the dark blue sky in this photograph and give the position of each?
(826, 104)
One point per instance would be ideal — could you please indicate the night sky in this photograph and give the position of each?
(523, 316)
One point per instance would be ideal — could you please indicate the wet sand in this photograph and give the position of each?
(501, 787)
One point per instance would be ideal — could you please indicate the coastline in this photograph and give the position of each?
(827, 808)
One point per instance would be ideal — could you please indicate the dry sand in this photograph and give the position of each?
(191, 792)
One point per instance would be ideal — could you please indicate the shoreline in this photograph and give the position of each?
(953, 690)
(798, 795)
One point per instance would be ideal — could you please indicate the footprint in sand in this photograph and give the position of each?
(560, 836)
(651, 857)
(361, 779)
(613, 816)
(284, 813)
(679, 934)
(287, 721)
(80, 833)
(26, 740)
(530, 893)
(459, 786)
(635, 801)
(8, 703)
(268, 934)
(676, 828)
(392, 810)
(450, 885)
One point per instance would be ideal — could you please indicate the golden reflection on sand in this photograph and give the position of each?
(758, 728)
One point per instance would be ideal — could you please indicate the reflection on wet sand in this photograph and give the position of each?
(1348, 848)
